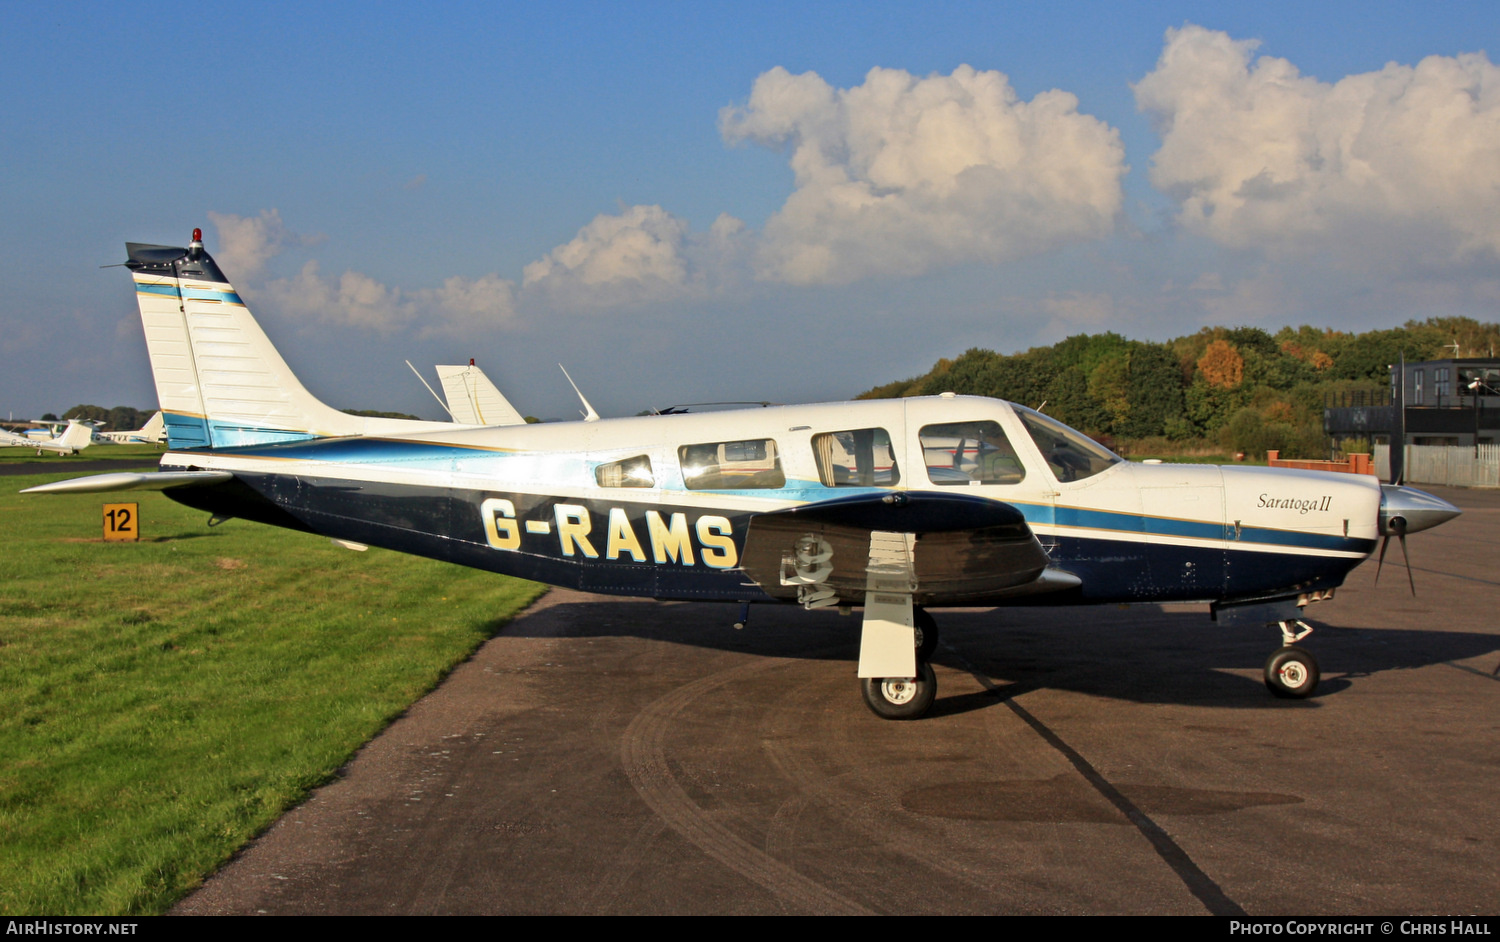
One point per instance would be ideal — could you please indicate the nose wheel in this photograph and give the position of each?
(1292, 672)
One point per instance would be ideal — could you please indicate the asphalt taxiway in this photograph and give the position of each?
(609, 756)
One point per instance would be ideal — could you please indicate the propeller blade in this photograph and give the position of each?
(1398, 529)
(1407, 559)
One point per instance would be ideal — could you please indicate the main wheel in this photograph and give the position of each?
(901, 698)
(927, 633)
(1292, 672)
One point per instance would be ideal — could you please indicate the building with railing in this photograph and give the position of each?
(1442, 402)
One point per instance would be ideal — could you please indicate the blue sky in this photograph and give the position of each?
(708, 201)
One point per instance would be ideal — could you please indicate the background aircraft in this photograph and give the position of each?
(153, 432)
(75, 438)
(897, 506)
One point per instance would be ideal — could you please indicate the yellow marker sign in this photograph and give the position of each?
(122, 522)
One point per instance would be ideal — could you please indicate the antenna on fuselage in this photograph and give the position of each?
(589, 415)
(433, 391)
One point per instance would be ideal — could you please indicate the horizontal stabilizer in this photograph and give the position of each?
(128, 481)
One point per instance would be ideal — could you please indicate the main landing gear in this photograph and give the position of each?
(906, 698)
(1292, 671)
(901, 698)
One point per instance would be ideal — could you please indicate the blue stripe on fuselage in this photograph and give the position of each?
(354, 449)
(1118, 522)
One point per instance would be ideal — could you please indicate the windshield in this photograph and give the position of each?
(1071, 455)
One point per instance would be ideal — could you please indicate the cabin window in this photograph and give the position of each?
(730, 466)
(631, 472)
(1071, 455)
(860, 457)
(962, 453)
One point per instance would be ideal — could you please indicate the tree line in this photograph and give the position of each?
(1244, 388)
(118, 419)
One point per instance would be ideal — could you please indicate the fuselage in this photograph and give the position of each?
(660, 505)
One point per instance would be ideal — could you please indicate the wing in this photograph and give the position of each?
(952, 548)
(129, 481)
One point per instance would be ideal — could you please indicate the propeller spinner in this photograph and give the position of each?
(1406, 510)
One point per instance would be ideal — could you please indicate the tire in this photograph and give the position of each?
(927, 633)
(1292, 672)
(900, 699)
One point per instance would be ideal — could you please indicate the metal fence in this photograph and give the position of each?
(1453, 465)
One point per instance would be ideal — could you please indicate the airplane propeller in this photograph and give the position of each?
(1406, 510)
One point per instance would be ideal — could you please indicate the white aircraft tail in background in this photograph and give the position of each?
(75, 438)
(153, 432)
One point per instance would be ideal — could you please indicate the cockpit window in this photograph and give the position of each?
(860, 457)
(632, 472)
(730, 466)
(1071, 455)
(962, 453)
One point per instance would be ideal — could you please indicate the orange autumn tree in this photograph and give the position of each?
(1221, 365)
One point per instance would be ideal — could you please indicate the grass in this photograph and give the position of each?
(1196, 451)
(162, 702)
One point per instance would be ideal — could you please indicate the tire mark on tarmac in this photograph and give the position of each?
(1200, 884)
(885, 826)
(604, 899)
(643, 752)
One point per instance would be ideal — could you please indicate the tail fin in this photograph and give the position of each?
(76, 436)
(155, 429)
(219, 381)
(473, 399)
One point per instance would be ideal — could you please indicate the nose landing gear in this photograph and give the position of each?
(1291, 671)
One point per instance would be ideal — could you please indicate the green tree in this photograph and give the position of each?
(1068, 400)
(88, 413)
(1154, 392)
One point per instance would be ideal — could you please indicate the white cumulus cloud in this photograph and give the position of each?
(357, 300)
(246, 243)
(1262, 156)
(643, 253)
(901, 174)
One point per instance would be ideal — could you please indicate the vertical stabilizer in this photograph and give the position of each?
(75, 438)
(219, 380)
(155, 429)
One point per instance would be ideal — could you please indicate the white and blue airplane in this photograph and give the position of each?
(73, 439)
(895, 506)
(154, 432)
